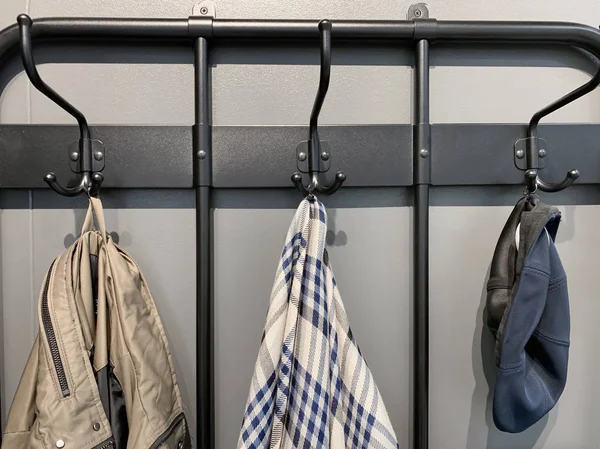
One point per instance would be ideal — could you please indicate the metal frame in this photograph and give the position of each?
(409, 156)
(422, 182)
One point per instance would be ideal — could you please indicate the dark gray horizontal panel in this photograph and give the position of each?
(482, 154)
(136, 156)
(265, 156)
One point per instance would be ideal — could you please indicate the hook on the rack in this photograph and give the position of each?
(532, 178)
(90, 181)
(314, 144)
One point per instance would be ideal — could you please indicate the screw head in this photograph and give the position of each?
(325, 155)
(520, 154)
(98, 155)
(201, 154)
(60, 443)
(418, 13)
(542, 152)
(204, 10)
(74, 156)
(424, 152)
(302, 156)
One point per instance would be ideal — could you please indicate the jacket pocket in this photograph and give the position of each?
(175, 437)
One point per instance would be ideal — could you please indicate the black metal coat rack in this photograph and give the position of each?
(206, 157)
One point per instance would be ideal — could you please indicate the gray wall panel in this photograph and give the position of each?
(16, 287)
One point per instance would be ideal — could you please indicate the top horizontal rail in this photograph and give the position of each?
(126, 29)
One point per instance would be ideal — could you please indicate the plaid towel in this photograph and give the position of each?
(311, 386)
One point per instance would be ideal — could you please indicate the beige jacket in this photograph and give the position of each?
(100, 375)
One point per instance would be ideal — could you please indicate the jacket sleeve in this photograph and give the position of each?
(21, 417)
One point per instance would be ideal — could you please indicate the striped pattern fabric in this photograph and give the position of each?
(311, 387)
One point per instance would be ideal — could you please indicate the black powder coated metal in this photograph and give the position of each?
(202, 153)
(482, 154)
(316, 153)
(185, 30)
(422, 179)
(457, 152)
(137, 156)
(261, 156)
(90, 181)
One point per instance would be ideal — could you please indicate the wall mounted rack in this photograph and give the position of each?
(205, 157)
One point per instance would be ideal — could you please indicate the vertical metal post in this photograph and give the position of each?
(422, 181)
(204, 302)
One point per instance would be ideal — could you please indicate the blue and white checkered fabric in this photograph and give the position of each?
(311, 386)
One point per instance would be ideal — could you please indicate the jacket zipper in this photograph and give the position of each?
(108, 444)
(167, 433)
(51, 338)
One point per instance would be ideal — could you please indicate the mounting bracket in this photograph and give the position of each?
(206, 8)
(417, 11)
(323, 163)
(520, 154)
(98, 156)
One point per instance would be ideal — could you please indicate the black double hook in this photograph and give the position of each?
(314, 144)
(90, 181)
(532, 179)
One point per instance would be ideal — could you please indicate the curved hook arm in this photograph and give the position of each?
(25, 23)
(532, 134)
(89, 182)
(324, 77)
(314, 144)
(314, 185)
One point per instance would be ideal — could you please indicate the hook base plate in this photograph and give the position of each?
(520, 153)
(322, 165)
(98, 156)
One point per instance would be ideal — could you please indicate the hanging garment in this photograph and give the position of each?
(311, 386)
(528, 312)
(100, 374)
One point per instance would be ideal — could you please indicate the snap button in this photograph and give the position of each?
(96, 426)
(60, 443)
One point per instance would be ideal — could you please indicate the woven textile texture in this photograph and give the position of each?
(311, 386)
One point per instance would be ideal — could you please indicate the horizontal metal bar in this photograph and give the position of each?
(265, 156)
(483, 154)
(77, 29)
(136, 156)
(308, 29)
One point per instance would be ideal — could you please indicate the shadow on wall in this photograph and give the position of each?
(79, 216)
(334, 237)
(484, 370)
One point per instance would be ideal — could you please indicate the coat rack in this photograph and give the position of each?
(206, 157)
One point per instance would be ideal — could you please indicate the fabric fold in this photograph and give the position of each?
(311, 385)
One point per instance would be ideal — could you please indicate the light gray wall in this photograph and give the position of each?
(371, 229)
